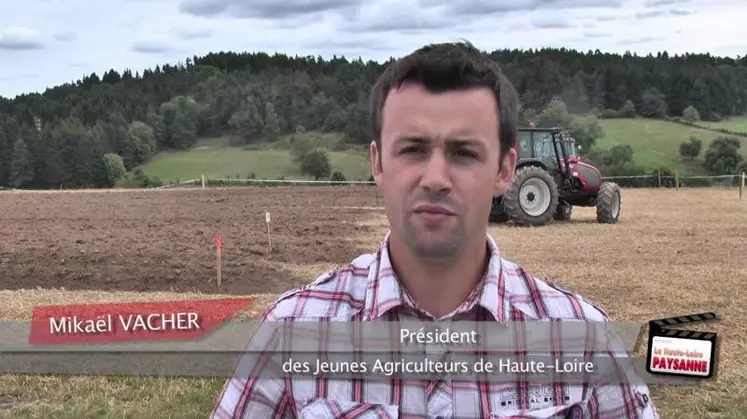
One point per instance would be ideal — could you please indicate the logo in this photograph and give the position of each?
(681, 353)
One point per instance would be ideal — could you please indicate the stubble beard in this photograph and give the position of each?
(435, 244)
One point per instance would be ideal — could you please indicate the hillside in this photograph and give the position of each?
(656, 143)
(215, 158)
(738, 124)
(88, 133)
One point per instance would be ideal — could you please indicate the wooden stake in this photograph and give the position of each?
(660, 178)
(203, 181)
(269, 238)
(676, 180)
(741, 185)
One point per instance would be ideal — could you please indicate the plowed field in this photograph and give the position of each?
(165, 241)
(673, 253)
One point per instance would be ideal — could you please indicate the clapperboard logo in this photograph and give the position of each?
(682, 353)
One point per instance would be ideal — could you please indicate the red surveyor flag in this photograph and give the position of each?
(118, 322)
(218, 241)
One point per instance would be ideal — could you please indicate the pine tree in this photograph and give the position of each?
(22, 168)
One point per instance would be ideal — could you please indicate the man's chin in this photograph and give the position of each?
(434, 244)
(433, 223)
(432, 231)
(435, 251)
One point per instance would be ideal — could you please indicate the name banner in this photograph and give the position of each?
(128, 322)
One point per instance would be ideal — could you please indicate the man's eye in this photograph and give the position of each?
(413, 149)
(466, 153)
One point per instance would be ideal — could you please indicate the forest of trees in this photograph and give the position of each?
(83, 134)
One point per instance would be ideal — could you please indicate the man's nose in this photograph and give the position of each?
(436, 174)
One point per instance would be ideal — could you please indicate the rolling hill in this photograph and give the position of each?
(215, 158)
(655, 144)
(738, 124)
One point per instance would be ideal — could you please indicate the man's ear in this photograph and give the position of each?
(505, 173)
(375, 162)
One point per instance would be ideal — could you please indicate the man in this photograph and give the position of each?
(444, 123)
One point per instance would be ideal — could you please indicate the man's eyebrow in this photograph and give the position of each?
(462, 141)
(465, 142)
(449, 140)
(412, 139)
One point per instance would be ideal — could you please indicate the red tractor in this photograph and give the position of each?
(550, 180)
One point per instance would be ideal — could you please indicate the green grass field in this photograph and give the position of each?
(656, 143)
(738, 124)
(215, 158)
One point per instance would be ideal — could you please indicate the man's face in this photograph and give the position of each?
(440, 156)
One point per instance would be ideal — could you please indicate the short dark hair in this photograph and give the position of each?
(444, 67)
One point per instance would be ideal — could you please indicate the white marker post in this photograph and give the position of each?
(267, 221)
(218, 248)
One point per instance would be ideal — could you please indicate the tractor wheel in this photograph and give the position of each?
(532, 198)
(608, 203)
(498, 219)
(563, 213)
(497, 212)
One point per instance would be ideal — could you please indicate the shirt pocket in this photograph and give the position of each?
(319, 408)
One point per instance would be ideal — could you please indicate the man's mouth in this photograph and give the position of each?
(433, 209)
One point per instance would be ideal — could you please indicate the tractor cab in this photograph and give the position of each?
(550, 179)
(548, 148)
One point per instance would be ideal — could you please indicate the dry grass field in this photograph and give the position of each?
(674, 252)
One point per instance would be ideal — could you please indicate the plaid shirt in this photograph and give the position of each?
(368, 289)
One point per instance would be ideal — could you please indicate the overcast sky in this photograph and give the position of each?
(48, 42)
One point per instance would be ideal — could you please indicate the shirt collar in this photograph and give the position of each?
(385, 293)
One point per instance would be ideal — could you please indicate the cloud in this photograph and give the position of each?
(191, 33)
(595, 34)
(20, 38)
(263, 9)
(606, 18)
(348, 44)
(402, 16)
(492, 7)
(659, 3)
(551, 22)
(132, 22)
(66, 36)
(413, 16)
(658, 13)
(397, 16)
(641, 40)
(649, 15)
(152, 46)
(77, 64)
(518, 26)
